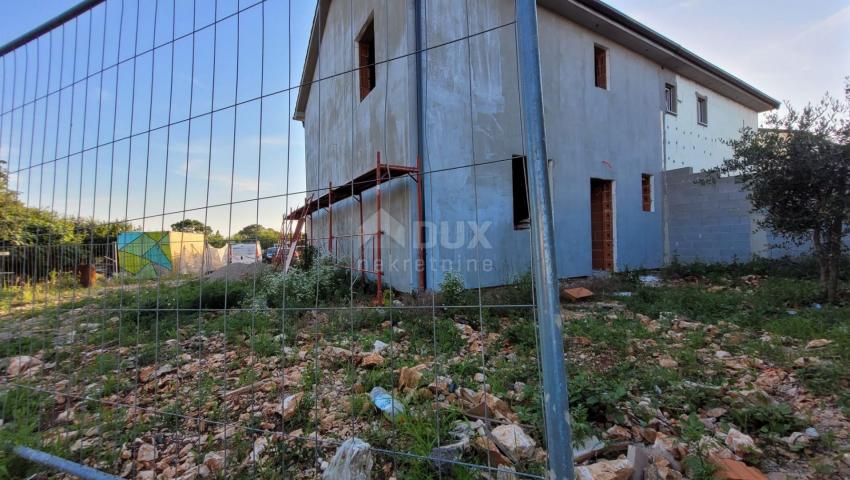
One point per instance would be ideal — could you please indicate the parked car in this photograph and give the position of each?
(270, 252)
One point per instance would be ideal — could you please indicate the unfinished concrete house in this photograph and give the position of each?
(412, 117)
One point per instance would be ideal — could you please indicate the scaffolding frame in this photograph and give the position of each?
(372, 178)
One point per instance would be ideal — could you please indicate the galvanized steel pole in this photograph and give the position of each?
(550, 325)
(66, 466)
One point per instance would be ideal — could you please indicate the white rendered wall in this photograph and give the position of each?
(689, 144)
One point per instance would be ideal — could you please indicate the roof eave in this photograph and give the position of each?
(311, 58)
(619, 26)
(612, 23)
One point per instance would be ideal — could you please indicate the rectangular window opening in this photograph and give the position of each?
(702, 110)
(519, 170)
(366, 59)
(670, 98)
(646, 191)
(600, 66)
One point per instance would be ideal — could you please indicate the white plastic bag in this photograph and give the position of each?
(352, 461)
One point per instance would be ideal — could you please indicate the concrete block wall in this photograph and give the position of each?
(713, 223)
(709, 223)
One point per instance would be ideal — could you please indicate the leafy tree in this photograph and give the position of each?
(102, 233)
(797, 173)
(216, 239)
(40, 231)
(9, 206)
(21, 225)
(266, 236)
(191, 226)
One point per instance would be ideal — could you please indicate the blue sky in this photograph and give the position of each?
(791, 50)
(186, 162)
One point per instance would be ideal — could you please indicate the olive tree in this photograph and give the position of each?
(797, 173)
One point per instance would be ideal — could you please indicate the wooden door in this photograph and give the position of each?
(602, 224)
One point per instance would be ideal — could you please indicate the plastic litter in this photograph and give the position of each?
(385, 402)
(352, 461)
(650, 280)
(379, 346)
(622, 294)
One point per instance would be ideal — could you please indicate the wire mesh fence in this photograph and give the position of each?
(250, 232)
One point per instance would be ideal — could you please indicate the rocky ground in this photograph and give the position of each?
(706, 374)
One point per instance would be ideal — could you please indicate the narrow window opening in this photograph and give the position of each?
(646, 191)
(670, 98)
(600, 66)
(366, 59)
(702, 110)
(519, 170)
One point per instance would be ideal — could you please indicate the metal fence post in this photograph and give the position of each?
(550, 327)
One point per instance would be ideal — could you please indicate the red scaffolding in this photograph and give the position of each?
(382, 173)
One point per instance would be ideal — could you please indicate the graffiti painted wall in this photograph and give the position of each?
(151, 254)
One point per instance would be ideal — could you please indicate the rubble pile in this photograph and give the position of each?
(710, 399)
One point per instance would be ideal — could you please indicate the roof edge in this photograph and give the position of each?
(764, 101)
(310, 59)
(639, 28)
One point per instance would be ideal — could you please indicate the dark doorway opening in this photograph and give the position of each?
(602, 224)
(519, 174)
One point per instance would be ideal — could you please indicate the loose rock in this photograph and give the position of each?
(514, 441)
(372, 360)
(740, 443)
(819, 343)
(668, 362)
(214, 461)
(146, 453)
(409, 377)
(21, 364)
(620, 469)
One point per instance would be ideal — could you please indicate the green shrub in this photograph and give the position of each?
(265, 345)
(522, 333)
(695, 302)
(21, 412)
(803, 267)
(600, 396)
(698, 464)
(453, 290)
(521, 290)
(775, 419)
(322, 283)
(440, 333)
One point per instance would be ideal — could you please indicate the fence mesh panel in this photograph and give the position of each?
(154, 321)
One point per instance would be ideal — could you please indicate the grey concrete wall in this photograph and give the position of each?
(713, 223)
(594, 133)
(343, 134)
(473, 128)
(473, 117)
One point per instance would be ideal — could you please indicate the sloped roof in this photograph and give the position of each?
(608, 22)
